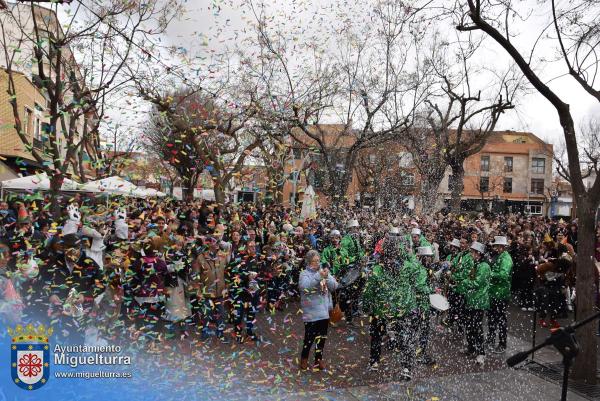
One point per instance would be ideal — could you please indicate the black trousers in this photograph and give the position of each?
(405, 336)
(474, 326)
(497, 321)
(456, 314)
(376, 332)
(424, 321)
(315, 332)
(550, 300)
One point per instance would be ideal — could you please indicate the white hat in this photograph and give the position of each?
(424, 251)
(478, 246)
(501, 240)
(334, 233)
(287, 227)
(415, 231)
(352, 223)
(455, 242)
(394, 230)
(414, 223)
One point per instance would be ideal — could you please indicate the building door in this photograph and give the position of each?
(245, 197)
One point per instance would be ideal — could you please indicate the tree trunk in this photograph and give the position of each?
(429, 196)
(584, 368)
(219, 193)
(187, 188)
(430, 184)
(56, 181)
(456, 185)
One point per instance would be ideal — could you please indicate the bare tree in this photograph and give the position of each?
(176, 149)
(575, 37)
(430, 163)
(342, 101)
(75, 69)
(462, 118)
(204, 133)
(119, 147)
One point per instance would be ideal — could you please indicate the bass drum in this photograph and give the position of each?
(439, 302)
(352, 274)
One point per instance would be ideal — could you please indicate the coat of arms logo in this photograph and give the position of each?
(30, 356)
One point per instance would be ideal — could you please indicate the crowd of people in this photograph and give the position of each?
(142, 271)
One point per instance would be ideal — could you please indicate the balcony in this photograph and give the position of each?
(38, 144)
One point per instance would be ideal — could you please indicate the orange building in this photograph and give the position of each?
(512, 172)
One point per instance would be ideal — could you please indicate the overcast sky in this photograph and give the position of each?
(209, 27)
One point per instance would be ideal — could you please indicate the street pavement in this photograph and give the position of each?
(269, 370)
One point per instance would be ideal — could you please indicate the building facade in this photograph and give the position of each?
(513, 172)
(33, 106)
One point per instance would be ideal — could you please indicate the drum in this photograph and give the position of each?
(352, 274)
(439, 302)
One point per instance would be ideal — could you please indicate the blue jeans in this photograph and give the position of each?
(213, 311)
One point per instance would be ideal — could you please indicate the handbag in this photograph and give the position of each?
(335, 314)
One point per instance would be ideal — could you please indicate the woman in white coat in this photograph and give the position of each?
(316, 286)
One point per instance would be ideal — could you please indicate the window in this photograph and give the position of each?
(507, 187)
(450, 182)
(484, 184)
(372, 159)
(37, 132)
(405, 159)
(28, 120)
(537, 186)
(538, 165)
(508, 164)
(408, 179)
(533, 209)
(485, 163)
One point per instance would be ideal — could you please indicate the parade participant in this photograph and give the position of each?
(424, 268)
(551, 271)
(73, 281)
(275, 272)
(476, 289)
(147, 283)
(351, 241)
(523, 280)
(244, 291)
(316, 285)
(300, 246)
(11, 304)
(390, 300)
(209, 267)
(336, 256)
(177, 305)
(94, 233)
(461, 265)
(417, 239)
(500, 280)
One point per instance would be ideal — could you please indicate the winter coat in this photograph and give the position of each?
(315, 301)
(462, 266)
(337, 258)
(353, 247)
(477, 295)
(392, 294)
(211, 274)
(501, 277)
(422, 287)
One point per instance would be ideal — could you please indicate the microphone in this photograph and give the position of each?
(517, 358)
